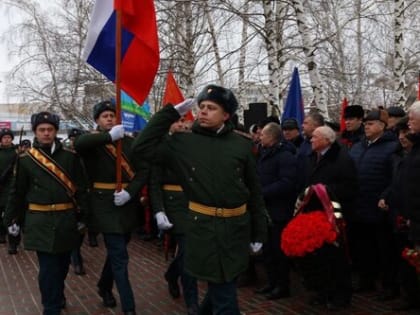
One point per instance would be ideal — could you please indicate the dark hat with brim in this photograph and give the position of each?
(395, 111)
(354, 111)
(220, 95)
(101, 107)
(6, 131)
(290, 124)
(377, 114)
(45, 118)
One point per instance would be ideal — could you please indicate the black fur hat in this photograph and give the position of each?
(102, 107)
(45, 118)
(220, 95)
(354, 111)
(6, 131)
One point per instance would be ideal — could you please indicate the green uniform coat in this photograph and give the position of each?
(215, 169)
(105, 216)
(7, 160)
(173, 203)
(53, 231)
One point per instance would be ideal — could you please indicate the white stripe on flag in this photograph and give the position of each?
(101, 13)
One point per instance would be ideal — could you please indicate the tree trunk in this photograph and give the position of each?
(399, 64)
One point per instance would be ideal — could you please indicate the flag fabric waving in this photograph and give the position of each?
(173, 94)
(134, 116)
(140, 47)
(343, 109)
(294, 102)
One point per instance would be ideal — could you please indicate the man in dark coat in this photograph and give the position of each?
(49, 196)
(216, 167)
(277, 171)
(113, 213)
(354, 132)
(331, 165)
(291, 132)
(370, 224)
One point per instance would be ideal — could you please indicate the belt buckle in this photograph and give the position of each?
(52, 206)
(219, 212)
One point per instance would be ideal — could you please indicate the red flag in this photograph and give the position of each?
(173, 94)
(418, 89)
(342, 120)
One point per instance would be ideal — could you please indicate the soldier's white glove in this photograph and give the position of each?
(13, 229)
(117, 132)
(163, 221)
(185, 106)
(255, 247)
(121, 197)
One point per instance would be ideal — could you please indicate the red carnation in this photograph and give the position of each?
(306, 233)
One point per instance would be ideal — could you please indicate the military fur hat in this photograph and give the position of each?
(354, 111)
(395, 111)
(74, 132)
(102, 107)
(6, 131)
(220, 95)
(377, 114)
(45, 118)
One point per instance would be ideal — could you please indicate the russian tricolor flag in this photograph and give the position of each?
(140, 46)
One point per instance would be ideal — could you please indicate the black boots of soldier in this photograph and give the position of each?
(108, 299)
(173, 286)
(13, 244)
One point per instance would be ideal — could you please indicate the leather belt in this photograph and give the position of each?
(215, 211)
(109, 186)
(51, 207)
(172, 187)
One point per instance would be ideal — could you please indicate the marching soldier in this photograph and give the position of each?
(8, 156)
(113, 213)
(49, 195)
(216, 168)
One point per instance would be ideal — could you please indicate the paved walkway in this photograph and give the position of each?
(19, 294)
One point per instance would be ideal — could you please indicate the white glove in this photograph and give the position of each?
(255, 247)
(163, 221)
(185, 106)
(121, 197)
(13, 229)
(117, 132)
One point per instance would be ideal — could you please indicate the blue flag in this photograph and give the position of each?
(294, 102)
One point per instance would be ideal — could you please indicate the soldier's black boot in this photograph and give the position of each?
(13, 243)
(108, 299)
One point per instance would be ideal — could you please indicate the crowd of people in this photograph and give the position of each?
(225, 195)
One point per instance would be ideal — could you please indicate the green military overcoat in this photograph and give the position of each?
(105, 216)
(7, 161)
(172, 202)
(218, 170)
(52, 231)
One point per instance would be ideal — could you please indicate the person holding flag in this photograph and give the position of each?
(216, 168)
(114, 213)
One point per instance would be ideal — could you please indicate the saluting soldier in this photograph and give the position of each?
(49, 195)
(8, 156)
(113, 213)
(217, 172)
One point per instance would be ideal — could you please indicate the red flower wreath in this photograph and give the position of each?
(413, 258)
(307, 232)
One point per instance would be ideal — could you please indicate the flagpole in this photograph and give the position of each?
(118, 89)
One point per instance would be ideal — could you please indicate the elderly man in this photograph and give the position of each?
(370, 226)
(331, 165)
(216, 169)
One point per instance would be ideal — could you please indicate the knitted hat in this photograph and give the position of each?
(220, 95)
(45, 118)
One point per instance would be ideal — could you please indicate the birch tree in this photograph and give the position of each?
(399, 64)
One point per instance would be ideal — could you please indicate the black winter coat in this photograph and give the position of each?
(374, 166)
(277, 171)
(411, 182)
(337, 171)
